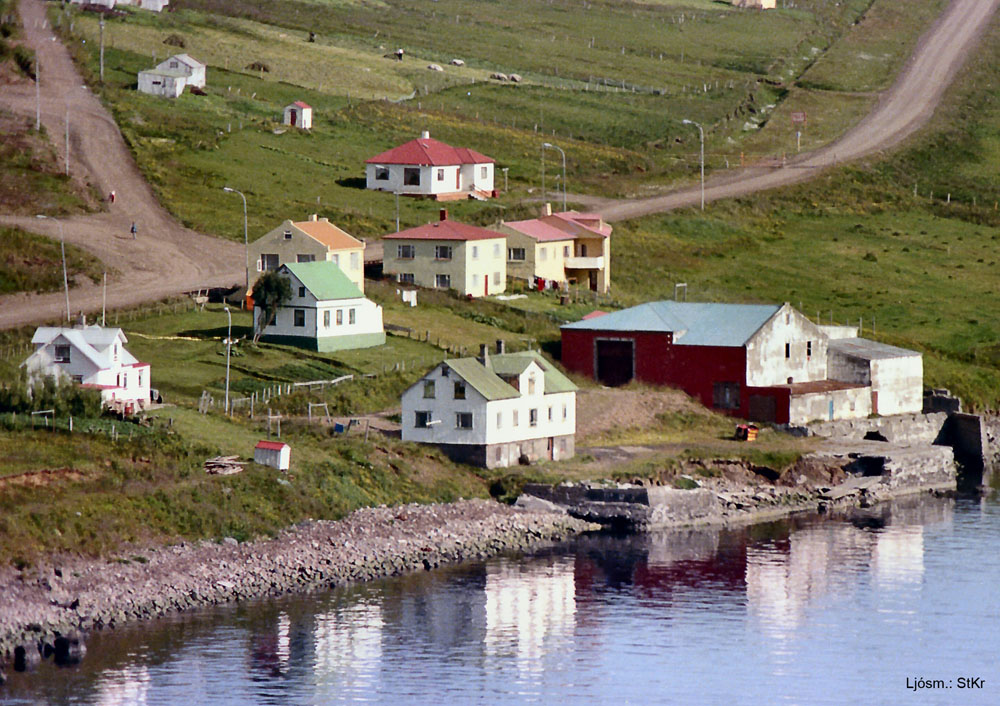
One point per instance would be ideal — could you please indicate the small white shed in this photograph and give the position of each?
(298, 114)
(275, 454)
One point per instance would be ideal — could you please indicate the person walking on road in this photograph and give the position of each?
(134, 229)
(111, 196)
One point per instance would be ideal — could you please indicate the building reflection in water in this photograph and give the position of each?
(348, 649)
(126, 686)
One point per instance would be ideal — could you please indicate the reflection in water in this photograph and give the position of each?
(810, 610)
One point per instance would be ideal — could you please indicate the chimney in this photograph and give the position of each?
(547, 210)
(501, 347)
(314, 217)
(484, 354)
(444, 214)
(81, 321)
(425, 135)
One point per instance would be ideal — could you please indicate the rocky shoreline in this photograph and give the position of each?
(47, 608)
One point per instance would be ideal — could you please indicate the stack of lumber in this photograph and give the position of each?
(223, 465)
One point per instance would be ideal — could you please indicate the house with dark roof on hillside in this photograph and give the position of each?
(314, 240)
(446, 254)
(766, 363)
(429, 168)
(327, 311)
(494, 409)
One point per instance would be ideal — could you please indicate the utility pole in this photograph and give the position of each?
(38, 94)
(102, 48)
(67, 139)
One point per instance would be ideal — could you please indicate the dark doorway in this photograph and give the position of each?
(762, 409)
(615, 362)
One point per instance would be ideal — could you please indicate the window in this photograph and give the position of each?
(288, 235)
(497, 250)
(475, 282)
(421, 419)
(78, 379)
(124, 379)
(302, 291)
(499, 454)
(173, 64)
(381, 173)
(355, 261)
(463, 420)
(326, 319)
(726, 395)
(411, 176)
(268, 262)
(62, 354)
(532, 417)
(140, 379)
(531, 384)
(788, 318)
(352, 316)
(442, 252)
(515, 419)
(300, 317)
(406, 278)
(115, 352)
(305, 258)
(543, 253)
(499, 420)
(809, 348)
(564, 412)
(496, 279)
(459, 390)
(428, 389)
(515, 254)
(336, 260)
(440, 175)
(442, 281)
(788, 350)
(340, 317)
(405, 252)
(483, 172)
(565, 251)
(475, 252)
(551, 416)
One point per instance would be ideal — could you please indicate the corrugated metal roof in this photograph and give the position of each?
(555, 381)
(867, 349)
(487, 382)
(562, 226)
(271, 445)
(692, 323)
(484, 381)
(428, 151)
(324, 279)
(321, 230)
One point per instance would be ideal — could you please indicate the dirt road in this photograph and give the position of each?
(904, 108)
(165, 258)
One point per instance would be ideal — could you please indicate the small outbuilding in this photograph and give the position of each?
(170, 77)
(298, 114)
(275, 454)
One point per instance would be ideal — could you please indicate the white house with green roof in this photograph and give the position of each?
(493, 410)
(327, 311)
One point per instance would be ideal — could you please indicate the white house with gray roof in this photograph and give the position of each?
(493, 410)
(169, 77)
(327, 311)
(94, 357)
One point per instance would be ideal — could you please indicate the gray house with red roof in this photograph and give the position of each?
(428, 168)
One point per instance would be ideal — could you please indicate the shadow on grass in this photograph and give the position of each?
(353, 182)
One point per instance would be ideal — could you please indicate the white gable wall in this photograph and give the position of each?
(767, 363)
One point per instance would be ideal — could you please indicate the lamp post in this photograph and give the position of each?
(62, 246)
(38, 94)
(246, 243)
(229, 343)
(557, 147)
(701, 134)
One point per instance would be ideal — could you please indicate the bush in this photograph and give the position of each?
(25, 60)
(64, 397)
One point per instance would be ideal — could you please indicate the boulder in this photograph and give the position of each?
(516, 78)
(457, 62)
(498, 76)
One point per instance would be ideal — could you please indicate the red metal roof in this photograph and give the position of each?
(302, 105)
(428, 151)
(271, 445)
(445, 230)
(562, 226)
(594, 314)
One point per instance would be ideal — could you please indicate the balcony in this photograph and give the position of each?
(584, 263)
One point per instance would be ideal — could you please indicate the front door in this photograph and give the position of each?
(552, 449)
(292, 116)
(458, 179)
(615, 362)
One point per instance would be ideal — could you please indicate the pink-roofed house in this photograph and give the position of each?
(429, 168)
(298, 114)
(567, 247)
(447, 254)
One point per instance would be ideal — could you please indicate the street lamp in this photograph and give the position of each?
(557, 147)
(246, 243)
(701, 133)
(62, 246)
(229, 343)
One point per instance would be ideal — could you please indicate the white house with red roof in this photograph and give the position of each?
(429, 168)
(275, 454)
(94, 357)
(447, 254)
(561, 247)
(298, 114)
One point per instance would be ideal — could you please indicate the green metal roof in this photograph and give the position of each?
(488, 383)
(324, 280)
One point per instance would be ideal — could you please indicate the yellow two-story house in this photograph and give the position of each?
(447, 254)
(315, 240)
(559, 248)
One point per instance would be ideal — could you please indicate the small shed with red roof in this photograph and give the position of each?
(275, 454)
(298, 114)
(447, 254)
(430, 168)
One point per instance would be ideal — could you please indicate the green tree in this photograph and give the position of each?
(270, 293)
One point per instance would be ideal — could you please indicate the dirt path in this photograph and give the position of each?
(900, 111)
(165, 258)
